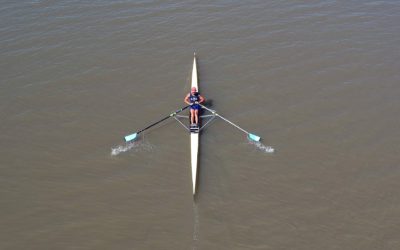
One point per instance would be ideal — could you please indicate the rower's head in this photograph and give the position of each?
(193, 90)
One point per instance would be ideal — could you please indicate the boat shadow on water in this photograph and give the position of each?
(208, 103)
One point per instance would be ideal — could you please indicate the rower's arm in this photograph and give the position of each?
(186, 100)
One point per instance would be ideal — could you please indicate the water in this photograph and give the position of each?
(317, 80)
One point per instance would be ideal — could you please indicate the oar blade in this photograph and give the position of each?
(254, 137)
(131, 137)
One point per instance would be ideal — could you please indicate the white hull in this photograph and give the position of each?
(194, 137)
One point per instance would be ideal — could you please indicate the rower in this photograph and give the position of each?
(194, 99)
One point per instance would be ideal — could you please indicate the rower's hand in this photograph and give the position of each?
(196, 102)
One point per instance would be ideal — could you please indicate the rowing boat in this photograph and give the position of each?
(194, 133)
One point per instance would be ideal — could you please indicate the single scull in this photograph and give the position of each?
(194, 133)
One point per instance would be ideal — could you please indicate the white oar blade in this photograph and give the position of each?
(254, 137)
(131, 137)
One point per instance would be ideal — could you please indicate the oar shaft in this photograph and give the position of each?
(163, 119)
(233, 124)
(152, 125)
(223, 118)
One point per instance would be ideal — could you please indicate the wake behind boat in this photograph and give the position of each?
(194, 131)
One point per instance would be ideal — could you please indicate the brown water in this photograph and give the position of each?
(318, 80)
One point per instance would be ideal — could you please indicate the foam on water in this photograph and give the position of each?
(262, 147)
(136, 146)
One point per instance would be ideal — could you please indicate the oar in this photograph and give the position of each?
(251, 136)
(133, 136)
